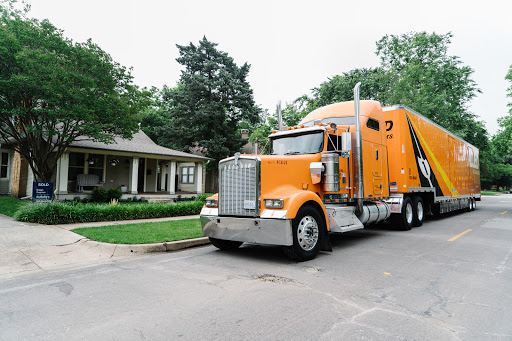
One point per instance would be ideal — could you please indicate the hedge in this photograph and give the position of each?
(62, 213)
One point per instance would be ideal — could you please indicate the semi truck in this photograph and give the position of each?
(343, 167)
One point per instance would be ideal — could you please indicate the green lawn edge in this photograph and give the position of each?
(144, 233)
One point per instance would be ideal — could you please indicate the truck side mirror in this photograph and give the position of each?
(346, 144)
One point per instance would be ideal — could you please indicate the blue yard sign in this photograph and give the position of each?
(42, 191)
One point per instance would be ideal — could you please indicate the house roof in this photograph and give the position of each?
(140, 143)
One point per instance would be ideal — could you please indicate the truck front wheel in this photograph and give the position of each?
(225, 244)
(308, 232)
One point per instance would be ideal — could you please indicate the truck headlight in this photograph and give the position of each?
(211, 203)
(274, 203)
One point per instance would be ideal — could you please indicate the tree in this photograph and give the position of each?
(502, 141)
(429, 80)
(416, 70)
(211, 99)
(53, 91)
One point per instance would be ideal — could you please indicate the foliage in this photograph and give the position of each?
(62, 213)
(502, 141)
(53, 91)
(429, 80)
(9, 205)
(99, 194)
(144, 233)
(114, 193)
(203, 112)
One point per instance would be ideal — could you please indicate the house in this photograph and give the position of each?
(138, 167)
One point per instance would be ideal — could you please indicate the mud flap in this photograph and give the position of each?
(326, 243)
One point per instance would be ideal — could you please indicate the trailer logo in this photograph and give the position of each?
(423, 164)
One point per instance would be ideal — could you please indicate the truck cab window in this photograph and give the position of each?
(333, 142)
(372, 124)
(308, 143)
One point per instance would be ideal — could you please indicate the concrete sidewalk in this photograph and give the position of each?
(27, 247)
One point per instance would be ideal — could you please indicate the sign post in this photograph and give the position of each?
(42, 191)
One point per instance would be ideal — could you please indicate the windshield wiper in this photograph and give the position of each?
(292, 153)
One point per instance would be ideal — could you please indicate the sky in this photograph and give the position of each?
(292, 46)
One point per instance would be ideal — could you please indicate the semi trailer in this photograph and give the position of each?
(343, 167)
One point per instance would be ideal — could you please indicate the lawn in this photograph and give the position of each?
(492, 192)
(9, 205)
(144, 233)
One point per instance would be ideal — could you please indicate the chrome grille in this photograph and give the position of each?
(239, 187)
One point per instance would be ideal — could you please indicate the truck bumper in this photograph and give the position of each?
(268, 231)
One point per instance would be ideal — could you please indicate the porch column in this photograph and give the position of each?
(62, 179)
(134, 175)
(199, 178)
(171, 181)
(163, 171)
(86, 164)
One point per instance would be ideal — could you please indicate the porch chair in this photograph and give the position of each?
(87, 180)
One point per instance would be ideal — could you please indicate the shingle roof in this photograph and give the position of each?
(140, 143)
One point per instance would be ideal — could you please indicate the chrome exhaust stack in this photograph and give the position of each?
(358, 154)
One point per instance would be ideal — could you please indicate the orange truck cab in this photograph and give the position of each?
(345, 166)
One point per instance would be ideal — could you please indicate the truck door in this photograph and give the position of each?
(377, 168)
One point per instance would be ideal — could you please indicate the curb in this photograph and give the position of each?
(129, 249)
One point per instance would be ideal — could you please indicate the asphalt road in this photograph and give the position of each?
(378, 284)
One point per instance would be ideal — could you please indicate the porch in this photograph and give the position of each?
(144, 176)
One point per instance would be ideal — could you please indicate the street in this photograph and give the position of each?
(430, 283)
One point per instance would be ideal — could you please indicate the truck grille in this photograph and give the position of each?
(239, 187)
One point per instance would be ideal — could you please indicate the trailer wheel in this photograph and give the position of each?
(308, 232)
(225, 244)
(470, 207)
(404, 220)
(419, 211)
(474, 204)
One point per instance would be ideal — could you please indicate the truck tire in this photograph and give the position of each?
(308, 232)
(225, 244)
(474, 204)
(404, 220)
(419, 211)
(470, 207)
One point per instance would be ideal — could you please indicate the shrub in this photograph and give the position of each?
(114, 193)
(61, 213)
(99, 195)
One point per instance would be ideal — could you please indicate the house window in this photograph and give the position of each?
(4, 165)
(187, 175)
(76, 165)
(96, 165)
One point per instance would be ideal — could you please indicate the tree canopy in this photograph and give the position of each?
(205, 109)
(53, 90)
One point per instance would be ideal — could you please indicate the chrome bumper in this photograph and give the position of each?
(248, 230)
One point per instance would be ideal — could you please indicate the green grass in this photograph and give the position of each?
(492, 192)
(9, 205)
(144, 233)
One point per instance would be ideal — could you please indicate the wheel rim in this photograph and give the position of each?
(419, 209)
(471, 204)
(408, 213)
(307, 233)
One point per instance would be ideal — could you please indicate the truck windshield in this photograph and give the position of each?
(309, 143)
